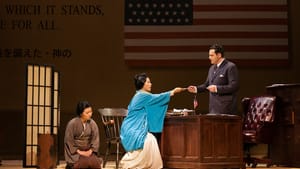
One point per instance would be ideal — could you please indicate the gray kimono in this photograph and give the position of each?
(79, 137)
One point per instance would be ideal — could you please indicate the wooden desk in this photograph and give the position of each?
(285, 148)
(202, 142)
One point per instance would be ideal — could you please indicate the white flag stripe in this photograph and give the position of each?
(240, 2)
(204, 55)
(195, 42)
(208, 28)
(240, 15)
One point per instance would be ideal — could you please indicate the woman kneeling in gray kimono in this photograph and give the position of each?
(81, 142)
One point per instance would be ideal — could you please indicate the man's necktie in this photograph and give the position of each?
(215, 69)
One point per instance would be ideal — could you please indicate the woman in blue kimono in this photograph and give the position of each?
(146, 113)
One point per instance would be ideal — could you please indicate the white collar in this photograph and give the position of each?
(220, 62)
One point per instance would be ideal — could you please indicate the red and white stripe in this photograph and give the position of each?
(252, 32)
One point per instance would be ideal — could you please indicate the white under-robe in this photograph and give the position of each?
(147, 158)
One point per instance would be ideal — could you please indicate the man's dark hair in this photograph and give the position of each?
(218, 49)
(139, 80)
(81, 106)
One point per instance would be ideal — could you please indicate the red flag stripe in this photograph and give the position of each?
(243, 21)
(230, 8)
(196, 62)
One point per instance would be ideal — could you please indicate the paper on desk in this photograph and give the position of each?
(181, 110)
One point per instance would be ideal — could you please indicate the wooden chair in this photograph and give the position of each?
(112, 119)
(259, 115)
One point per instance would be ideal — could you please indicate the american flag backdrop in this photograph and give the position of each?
(179, 32)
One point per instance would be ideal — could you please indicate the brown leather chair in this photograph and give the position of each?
(259, 115)
(112, 119)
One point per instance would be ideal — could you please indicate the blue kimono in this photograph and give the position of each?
(146, 113)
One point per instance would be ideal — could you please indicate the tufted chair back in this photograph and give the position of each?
(259, 115)
(258, 118)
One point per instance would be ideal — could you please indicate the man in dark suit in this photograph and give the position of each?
(222, 83)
